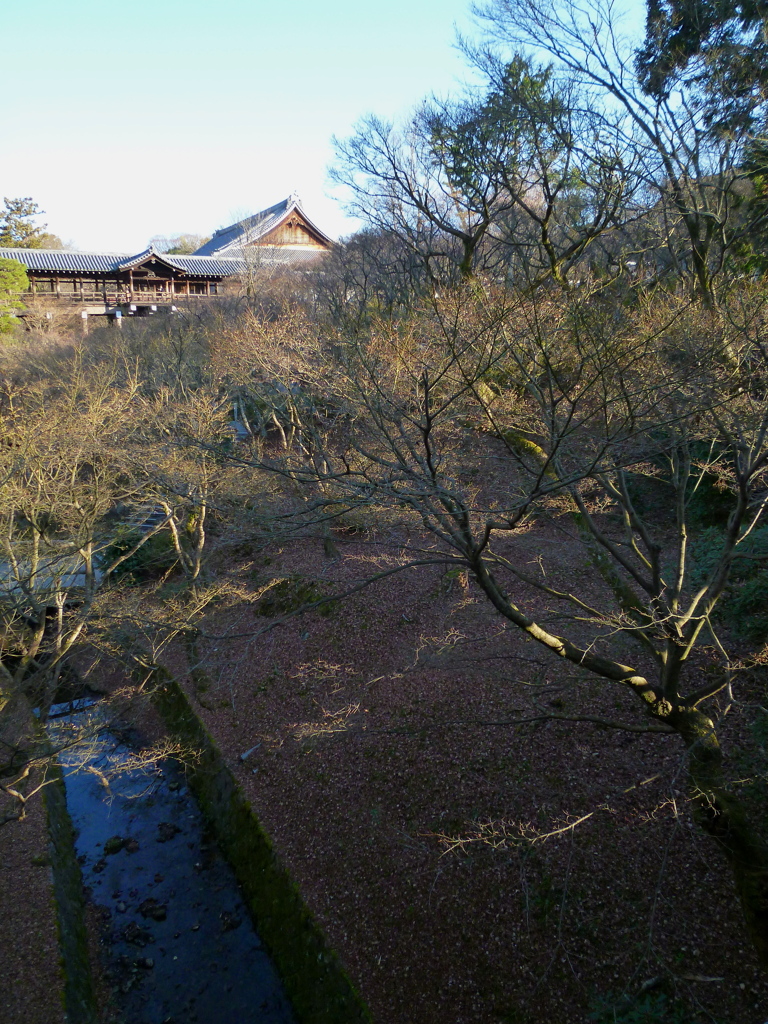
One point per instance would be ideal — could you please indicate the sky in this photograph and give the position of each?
(128, 121)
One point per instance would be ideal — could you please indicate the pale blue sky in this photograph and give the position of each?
(125, 121)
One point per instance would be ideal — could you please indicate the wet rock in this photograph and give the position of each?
(229, 921)
(159, 878)
(195, 927)
(136, 935)
(166, 830)
(121, 907)
(114, 845)
(146, 963)
(151, 908)
(132, 846)
(99, 866)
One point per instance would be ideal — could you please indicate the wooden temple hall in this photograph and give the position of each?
(119, 284)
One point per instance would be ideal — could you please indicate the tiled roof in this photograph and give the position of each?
(200, 266)
(231, 251)
(230, 241)
(245, 231)
(58, 260)
(205, 265)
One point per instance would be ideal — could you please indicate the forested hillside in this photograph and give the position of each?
(457, 544)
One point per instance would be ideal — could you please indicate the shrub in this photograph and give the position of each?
(155, 557)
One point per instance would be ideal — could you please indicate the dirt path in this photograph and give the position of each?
(31, 989)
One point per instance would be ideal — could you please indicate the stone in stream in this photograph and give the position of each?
(166, 831)
(151, 908)
(229, 921)
(136, 935)
(114, 845)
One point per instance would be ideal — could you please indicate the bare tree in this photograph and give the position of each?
(483, 419)
(98, 479)
(519, 179)
(689, 155)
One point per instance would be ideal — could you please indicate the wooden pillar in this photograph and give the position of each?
(57, 287)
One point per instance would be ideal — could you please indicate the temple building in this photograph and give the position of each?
(121, 284)
(281, 234)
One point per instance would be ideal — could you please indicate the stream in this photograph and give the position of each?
(178, 944)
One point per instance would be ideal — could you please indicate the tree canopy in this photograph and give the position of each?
(719, 44)
(13, 281)
(19, 230)
(178, 245)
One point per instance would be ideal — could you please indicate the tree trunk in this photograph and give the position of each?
(723, 816)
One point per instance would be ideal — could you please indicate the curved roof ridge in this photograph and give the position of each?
(246, 232)
(60, 252)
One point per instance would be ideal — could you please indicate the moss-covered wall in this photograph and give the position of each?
(79, 1001)
(319, 989)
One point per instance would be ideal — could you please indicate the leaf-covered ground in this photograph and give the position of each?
(378, 732)
(382, 732)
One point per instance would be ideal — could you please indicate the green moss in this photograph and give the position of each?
(318, 987)
(79, 1000)
(649, 1008)
(289, 595)
(114, 845)
(153, 558)
(743, 606)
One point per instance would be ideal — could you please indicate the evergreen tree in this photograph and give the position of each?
(719, 48)
(18, 230)
(13, 281)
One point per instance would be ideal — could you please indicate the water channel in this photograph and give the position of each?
(178, 943)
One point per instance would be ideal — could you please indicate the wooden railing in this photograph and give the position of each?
(112, 298)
